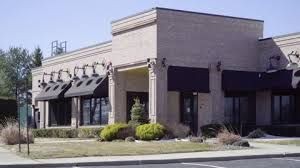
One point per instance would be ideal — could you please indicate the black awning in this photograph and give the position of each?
(279, 80)
(53, 91)
(240, 80)
(188, 79)
(255, 81)
(92, 86)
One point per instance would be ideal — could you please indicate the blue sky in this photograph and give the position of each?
(31, 23)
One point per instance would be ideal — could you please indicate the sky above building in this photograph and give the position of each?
(31, 23)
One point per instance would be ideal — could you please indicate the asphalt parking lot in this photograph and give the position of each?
(288, 162)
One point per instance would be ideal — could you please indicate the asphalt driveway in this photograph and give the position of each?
(288, 162)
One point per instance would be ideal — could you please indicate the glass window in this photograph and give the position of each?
(283, 109)
(95, 111)
(60, 112)
(237, 110)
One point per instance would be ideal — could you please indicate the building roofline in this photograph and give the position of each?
(184, 11)
(69, 52)
(279, 36)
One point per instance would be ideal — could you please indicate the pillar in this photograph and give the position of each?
(158, 92)
(75, 114)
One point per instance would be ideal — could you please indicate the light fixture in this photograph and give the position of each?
(163, 62)
(293, 65)
(218, 66)
(271, 67)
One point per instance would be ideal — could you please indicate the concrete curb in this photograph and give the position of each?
(141, 162)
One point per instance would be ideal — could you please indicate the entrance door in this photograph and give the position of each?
(143, 96)
(189, 111)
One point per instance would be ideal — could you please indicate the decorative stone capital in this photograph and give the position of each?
(155, 65)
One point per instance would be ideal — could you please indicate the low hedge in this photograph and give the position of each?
(150, 131)
(66, 132)
(116, 131)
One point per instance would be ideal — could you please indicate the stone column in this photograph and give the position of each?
(47, 113)
(158, 92)
(41, 105)
(112, 97)
(75, 112)
(263, 108)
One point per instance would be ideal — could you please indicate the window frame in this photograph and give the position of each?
(91, 111)
(292, 109)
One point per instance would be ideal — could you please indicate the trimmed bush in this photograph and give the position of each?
(116, 131)
(242, 143)
(178, 130)
(258, 133)
(89, 132)
(138, 113)
(150, 131)
(10, 134)
(55, 133)
(227, 138)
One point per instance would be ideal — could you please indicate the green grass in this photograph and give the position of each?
(82, 149)
(284, 142)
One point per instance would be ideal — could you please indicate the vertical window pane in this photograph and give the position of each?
(96, 114)
(228, 109)
(276, 108)
(105, 109)
(285, 108)
(86, 112)
(244, 113)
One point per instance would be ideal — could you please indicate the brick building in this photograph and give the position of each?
(186, 67)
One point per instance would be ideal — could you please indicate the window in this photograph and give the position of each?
(283, 109)
(95, 111)
(240, 109)
(60, 112)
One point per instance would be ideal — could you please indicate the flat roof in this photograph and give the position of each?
(184, 11)
(69, 52)
(280, 36)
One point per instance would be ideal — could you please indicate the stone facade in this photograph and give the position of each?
(140, 43)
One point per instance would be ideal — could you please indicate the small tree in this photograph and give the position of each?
(37, 57)
(138, 113)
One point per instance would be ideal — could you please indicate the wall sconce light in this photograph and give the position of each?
(218, 66)
(293, 65)
(163, 62)
(271, 67)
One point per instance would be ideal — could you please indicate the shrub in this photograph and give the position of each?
(10, 134)
(130, 139)
(134, 124)
(258, 133)
(227, 138)
(138, 113)
(89, 132)
(150, 131)
(115, 131)
(55, 133)
(178, 130)
(196, 139)
(211, 130)
(242, 143)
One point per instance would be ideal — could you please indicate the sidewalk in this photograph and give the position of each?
(260, 150)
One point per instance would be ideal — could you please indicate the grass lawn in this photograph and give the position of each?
(284, 142)
(94, 148)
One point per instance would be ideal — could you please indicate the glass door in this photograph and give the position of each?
(189, 111)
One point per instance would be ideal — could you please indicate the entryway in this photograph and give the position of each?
(189, 110)
(143, 96)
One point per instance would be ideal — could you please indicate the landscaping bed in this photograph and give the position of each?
(95, 148)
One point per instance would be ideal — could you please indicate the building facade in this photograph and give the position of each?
(186, 67)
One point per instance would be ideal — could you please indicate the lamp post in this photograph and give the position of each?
(18, 110)
(27, 121)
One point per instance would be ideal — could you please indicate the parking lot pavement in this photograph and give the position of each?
(288, 162)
